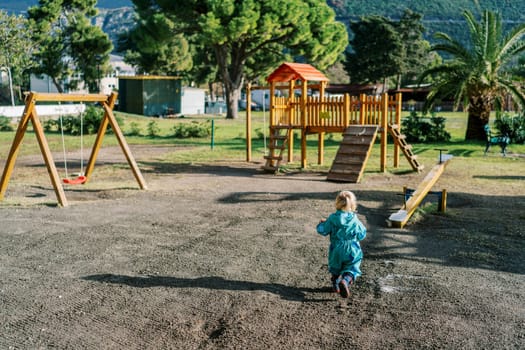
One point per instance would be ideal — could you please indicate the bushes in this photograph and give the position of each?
(153, 129)
(90, 121)
(134, 129)
(422, 129)
(513, 127)
(5, 124)
(193, 129)
(92, 118)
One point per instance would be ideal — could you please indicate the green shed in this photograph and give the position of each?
(150, 95)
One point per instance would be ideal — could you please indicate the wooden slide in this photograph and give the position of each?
(401, 217)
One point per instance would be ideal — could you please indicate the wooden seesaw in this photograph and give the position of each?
(401, 217)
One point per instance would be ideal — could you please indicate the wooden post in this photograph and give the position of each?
(272, 104)
(346, 116)
(19, 136)
(304, 93)
(30, 114)
(384, 130)
(443, 203)
(249, 122)
(320, 148)
(320, 138)
(110, 118)
(399, 105)
(362, 108)
(291, 118)
(322, 90)
(48, 159)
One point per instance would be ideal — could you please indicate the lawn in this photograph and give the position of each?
(229, 141)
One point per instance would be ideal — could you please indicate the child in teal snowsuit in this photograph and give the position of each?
(345, 254)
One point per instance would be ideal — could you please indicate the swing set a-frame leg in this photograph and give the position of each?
(109, 119)
(30, 114)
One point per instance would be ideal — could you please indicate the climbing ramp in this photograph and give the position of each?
(354, 151)
(400, 140)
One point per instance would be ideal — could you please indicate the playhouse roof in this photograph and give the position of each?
(296, 71)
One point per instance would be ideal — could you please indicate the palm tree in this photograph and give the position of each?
(477, 75)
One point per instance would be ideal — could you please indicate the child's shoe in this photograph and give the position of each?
(335, 283)
(344, 285)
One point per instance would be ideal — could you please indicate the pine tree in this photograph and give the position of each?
(68, 42)
(253, 36)
(15, 48)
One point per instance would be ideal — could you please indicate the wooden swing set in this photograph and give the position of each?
(30, 115)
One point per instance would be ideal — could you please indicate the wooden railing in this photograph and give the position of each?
(335, 111)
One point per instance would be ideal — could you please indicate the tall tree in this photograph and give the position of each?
(68, 42)
(416, 50)
(382, 48)
(376, 50)
(15, 48)
(477, 74)
(254, 35)
(153, 48)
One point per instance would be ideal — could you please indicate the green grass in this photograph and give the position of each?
(230, 145)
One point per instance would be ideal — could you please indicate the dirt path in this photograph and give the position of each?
(223, 256)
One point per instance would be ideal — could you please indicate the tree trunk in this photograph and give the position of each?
(212, 91)
(232, 102)
(398, 82)
(231, 70)
(57, 85)
(478, 116)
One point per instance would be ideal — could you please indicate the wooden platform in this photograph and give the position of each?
(354, 151)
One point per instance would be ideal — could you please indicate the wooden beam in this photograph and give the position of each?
(320, 148)
(48, 159)
(399, 104)
(384, 130)
(304, 93)
(15, 147)
(110, 118)
(50, 97)
(401, 217)
(249, 122)
(291, 117)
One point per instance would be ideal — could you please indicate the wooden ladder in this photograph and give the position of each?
(400, 140)
(276, 145)
(354, 151)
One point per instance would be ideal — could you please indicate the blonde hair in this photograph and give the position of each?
(346, 201)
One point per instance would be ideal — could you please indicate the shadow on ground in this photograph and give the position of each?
(211, 282)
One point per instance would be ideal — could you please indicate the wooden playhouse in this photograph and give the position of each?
(359, 118)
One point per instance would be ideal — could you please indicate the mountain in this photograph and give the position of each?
(438, 15)
(115, 21)
(116, 16)
(21, 6)
(443, 10)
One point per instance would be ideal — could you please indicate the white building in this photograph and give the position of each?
(192, 101)
(108, 83)
(262, 98)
